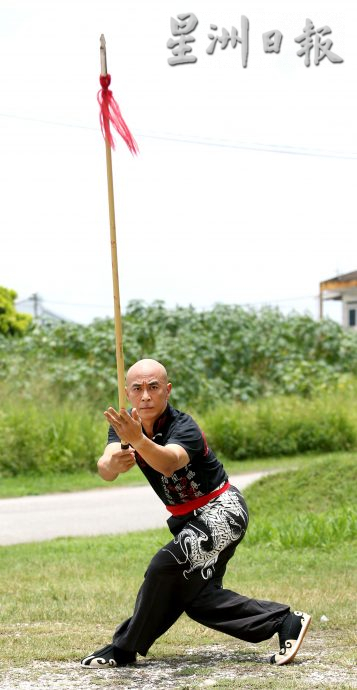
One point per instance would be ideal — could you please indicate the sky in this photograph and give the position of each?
(243, 191)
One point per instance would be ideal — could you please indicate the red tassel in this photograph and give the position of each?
(110, 113)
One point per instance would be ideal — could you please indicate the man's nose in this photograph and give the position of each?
(145, 394)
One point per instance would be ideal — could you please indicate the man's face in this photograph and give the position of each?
(148, 390)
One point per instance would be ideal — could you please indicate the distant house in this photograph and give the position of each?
(342, 288)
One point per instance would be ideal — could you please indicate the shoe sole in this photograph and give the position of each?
(288, 658)
(104, 664)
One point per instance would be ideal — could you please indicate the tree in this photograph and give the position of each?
(12, 322)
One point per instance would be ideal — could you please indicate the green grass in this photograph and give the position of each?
(314, 504)
(63, 598)
(281, 426)
(325, 483)
(38, 579)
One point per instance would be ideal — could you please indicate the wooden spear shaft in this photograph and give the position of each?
(113, 244)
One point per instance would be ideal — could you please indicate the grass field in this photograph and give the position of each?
(62, 599)
(71, 594)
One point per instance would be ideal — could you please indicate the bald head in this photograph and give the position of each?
(147, 368)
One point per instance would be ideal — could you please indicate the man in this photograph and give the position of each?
(209, 518)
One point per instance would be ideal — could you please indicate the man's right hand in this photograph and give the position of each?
(115, 461)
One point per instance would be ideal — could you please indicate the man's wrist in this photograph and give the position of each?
(139, 444)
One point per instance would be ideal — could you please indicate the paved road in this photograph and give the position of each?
(87, 513)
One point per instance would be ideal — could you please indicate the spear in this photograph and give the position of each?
(110, 114)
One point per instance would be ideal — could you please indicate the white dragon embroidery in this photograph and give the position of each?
(220, 519)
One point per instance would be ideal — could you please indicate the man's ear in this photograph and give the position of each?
(169, 388)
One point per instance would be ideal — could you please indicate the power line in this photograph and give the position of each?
(265, 148)
(79, 304)
(36, 300)
(280, 301)
(42, 121)
(208, 141)
(110, 306)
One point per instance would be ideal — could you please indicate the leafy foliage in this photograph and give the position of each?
(224, 354)
(12, 322)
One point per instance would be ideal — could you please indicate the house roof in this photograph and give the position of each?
(346, 277)
(339, 285)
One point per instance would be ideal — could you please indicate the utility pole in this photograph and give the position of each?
(35, 298)
(321, 304)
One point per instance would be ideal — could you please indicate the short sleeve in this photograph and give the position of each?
(187, 434)
(112, 436)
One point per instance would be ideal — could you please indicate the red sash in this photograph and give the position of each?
(189, 506)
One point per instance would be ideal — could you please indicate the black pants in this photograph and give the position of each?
(186, 575)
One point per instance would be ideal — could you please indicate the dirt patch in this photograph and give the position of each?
(319, 665)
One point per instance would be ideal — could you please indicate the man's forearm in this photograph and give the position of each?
(164, 459)
(106, 470)
(115, 461)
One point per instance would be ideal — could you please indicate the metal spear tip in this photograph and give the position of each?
(103, 56)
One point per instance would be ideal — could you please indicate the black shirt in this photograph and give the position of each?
(203, 473)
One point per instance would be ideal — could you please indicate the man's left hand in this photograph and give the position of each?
(127, 427)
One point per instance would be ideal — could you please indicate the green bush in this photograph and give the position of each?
(68, 437)
(12, 322)
(279, 426)
(43, 440)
